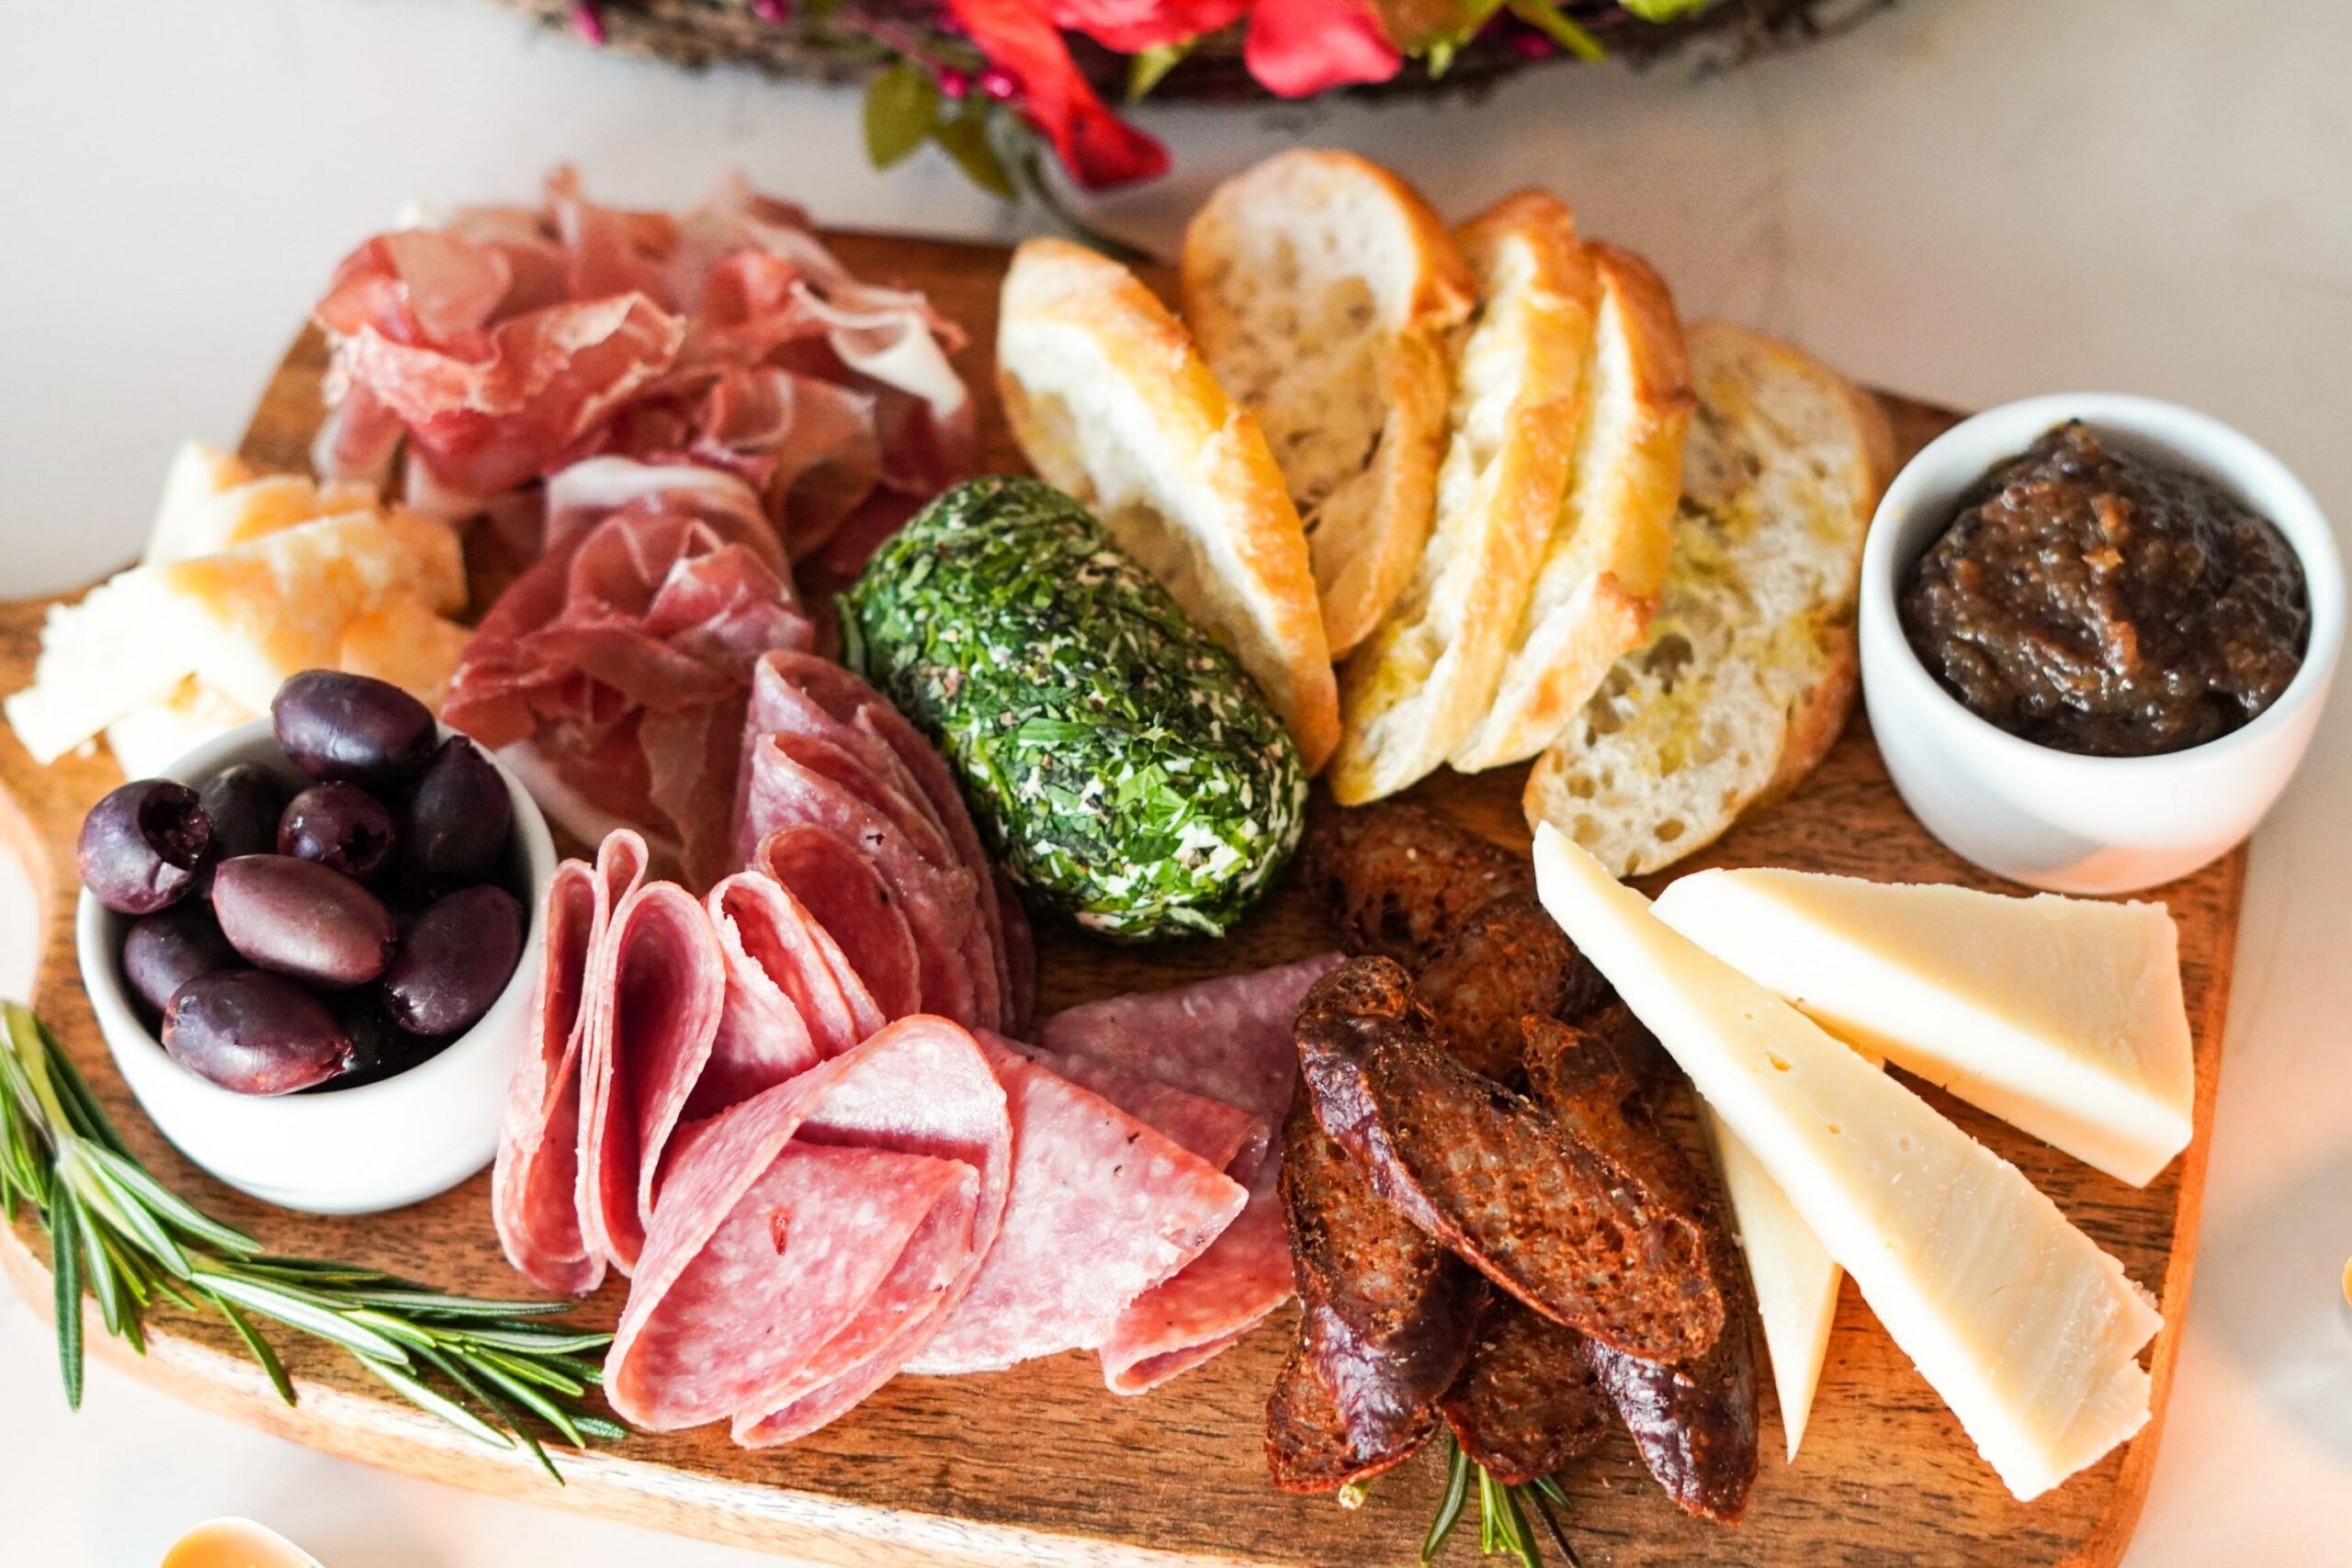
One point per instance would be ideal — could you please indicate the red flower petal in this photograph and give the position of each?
(1131, 27)
(1297, 48)
(1095, 144)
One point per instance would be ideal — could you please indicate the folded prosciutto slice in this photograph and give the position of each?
(505, 343)
(614, 674)
(811, 1238)
(1230, 1038)
(823, 751)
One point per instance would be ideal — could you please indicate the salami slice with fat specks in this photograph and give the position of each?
(846, 895)
(653, 1015)
(1229, 1038)
(534, 1181)
(792, 998)
(811, 1238)
(1102, 1209)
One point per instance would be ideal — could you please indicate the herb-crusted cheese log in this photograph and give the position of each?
(1125, 768)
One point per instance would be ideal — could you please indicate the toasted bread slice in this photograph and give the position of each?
(1109, 402)
(1607, 558)
(1750, 669)
(1423, 679)
(1323, 292)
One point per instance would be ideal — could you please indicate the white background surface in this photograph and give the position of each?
(1968, 199)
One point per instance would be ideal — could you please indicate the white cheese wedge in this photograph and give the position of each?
(1796, 1280)
(119, 647)
(149, 739)
(2064, 1017)
(2020, 1323)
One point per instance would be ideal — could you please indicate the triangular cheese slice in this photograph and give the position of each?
(1796, 1280)
(2024, 1327)
(2062, 1016)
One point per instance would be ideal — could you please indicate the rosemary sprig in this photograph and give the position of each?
(489, 1367)
(1503, 1512)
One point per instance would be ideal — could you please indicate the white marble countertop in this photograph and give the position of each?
(1966, 199)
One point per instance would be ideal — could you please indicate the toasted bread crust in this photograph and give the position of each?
(1237, 558)
(1365, 546)
(1424, 679)
(1601, 575)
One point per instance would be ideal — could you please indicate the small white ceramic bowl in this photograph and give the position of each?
(342, 1151)
(2056, 820)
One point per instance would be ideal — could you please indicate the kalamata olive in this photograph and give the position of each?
(338, 825)
(298, 918)
(459, 818)
(379, 1048)
(354, 729)
(454, 960)
(254, 1032)
(167, 949)
(245, 803)
(142, 846)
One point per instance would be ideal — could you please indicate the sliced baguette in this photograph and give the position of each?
(1750, 671)
(1605, 561)
(1109, 402)
(1423, 679)
(1323, 292)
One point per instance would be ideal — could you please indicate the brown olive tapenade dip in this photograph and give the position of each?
(2096, 601)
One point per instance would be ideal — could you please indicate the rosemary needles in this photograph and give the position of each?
(1503, 1511)
(492, 1368)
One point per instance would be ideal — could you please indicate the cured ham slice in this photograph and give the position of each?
(618, 668)
(535, 1179)
(505, 342)
(811, 716)
(653, 1020)
(1102, 1209)
(811, 1238)
(1230, 1038)
(843, 893)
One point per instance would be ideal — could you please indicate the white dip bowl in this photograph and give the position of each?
(332, 1151)
(2057, 819)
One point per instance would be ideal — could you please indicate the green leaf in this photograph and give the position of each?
(901, 111)
(966, 140)
(1665, 11)
(1449, 1503)
(65, 1266)
(1548, 19)
(295, 1313)
(259, 1349)
(431, 1400)
(1147, 70)
(169, 1206)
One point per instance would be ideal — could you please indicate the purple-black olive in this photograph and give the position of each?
(379, 1048)
(454, 960)
(354, 728)
(459, 818)
(245, 803)
(143, 845)
(338, 825)
(296, 917)
(254, 1032)
(167, 949)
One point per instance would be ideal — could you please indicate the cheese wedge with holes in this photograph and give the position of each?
(2021, 1325)
(2064, 1017)
(1796, 1280)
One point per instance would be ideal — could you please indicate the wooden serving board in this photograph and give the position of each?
(1040, 1465)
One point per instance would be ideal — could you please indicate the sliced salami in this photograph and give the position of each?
(792, 999)
(1230, 1038)
(842, 891)
(811, 1238)
(1102, 1209)
(653, 1016)
(535, 1180)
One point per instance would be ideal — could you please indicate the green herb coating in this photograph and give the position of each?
(1123, 766)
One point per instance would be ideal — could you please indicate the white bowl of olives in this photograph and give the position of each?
(311, 947)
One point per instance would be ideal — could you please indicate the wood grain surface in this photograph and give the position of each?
(1040, 1465)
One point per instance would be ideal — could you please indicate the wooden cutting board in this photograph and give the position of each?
(1040, 1465)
